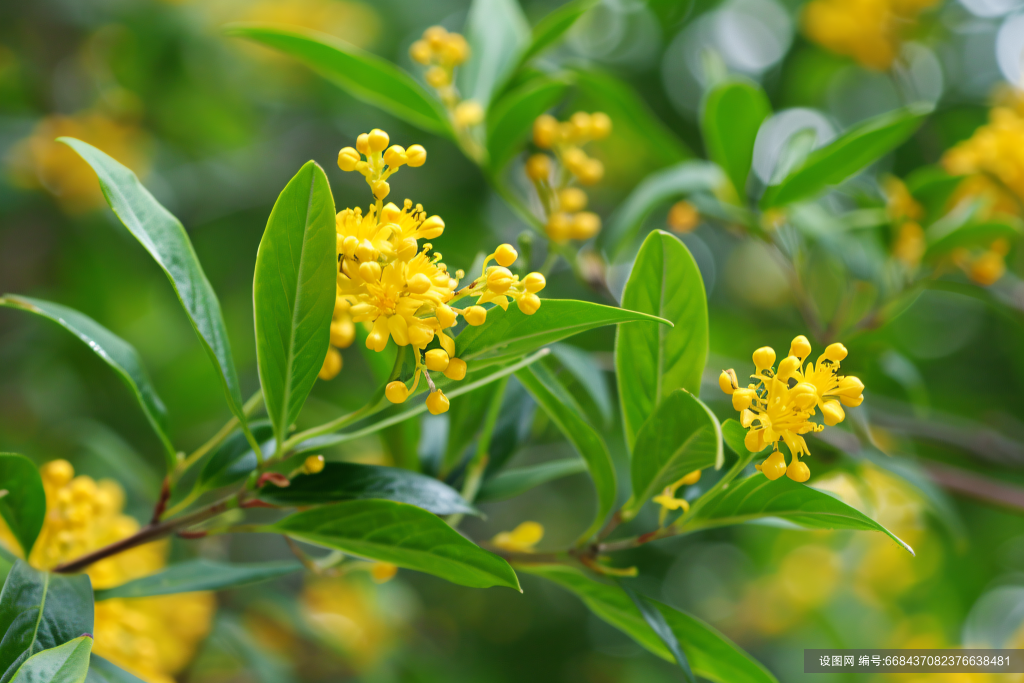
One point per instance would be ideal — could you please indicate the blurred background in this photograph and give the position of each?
(215, 127)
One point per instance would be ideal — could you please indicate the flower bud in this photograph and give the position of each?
(365, 251)
(436, 37)
(381, 189)
(420, 335)
(369, 271)
(572, 199)
(801, 348)
(754, 440)
(833, 413)
(468, 114)
(835, 352)
(363, 143)
(581, 125)
(798, 471)
(343, 332)
(475, 315)
(591, 172)
(419, 284)
(396, 392)
(775, 466)
(505, 255)
(584, 225)
(382, 572)
(394, 157)
(727, 381)
(436, 360)
(574, 159)
(850, 391)
(406, 249)
(415, 156)
(332, 365)
(456, 49)
(600, 125)
(437, 402)
(378, 140)
(558, 227)
(57, 473)
(377, 339)
(691, 478)
(347, 159)
(456, 369)
(742, 398)
(788, 366)
(445, 315)
(420, 52)
(534, 282)
(804, 394)
(538, 167)
(499, 279)
(529, 303)
(438, 77)
(545, 131)
(764, 358)
(683, 217)
(314, 464)
(432, 228)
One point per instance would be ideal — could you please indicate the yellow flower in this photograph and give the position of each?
(154, 638)
(668, 501)
(899, 203)
(349, 614)
(522, 539)
(985, 266)
(870, 31)
(909, 245)
(39, 161)
(779, 405)
(996, 149)
(683, 217)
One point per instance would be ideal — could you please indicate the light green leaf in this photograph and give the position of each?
(514, 482)
(352, 481)
(165, 239)
(293, 294)
(682, 436)
(39, 611)
(511, 118)
(733, 113)
(757, 498)
(566, 414)
(498, 33)
(844, 157)
(234, 459)
(114, 351)
(23, 503)
(199, 575)
(550, 29)
(401, 534)
(511, 333)
(363, 75)
(102, 671)
(658, 189)
(67, 663)
(711, 654)
(652, 361)
(971, 234)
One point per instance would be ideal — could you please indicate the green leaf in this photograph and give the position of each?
(264, 665)
(971, 234)
(497, 33)
(682, 435)
(23, 505)
(102, 671)
(67, 663)
(566, 414)
(656, 620)
(234, 459)
(588, 374)
(511, 333)
(514, 482)
(658, 189)
(401, 534)
(510, 120)
(363, 75)
(733, 435)
(165, 239)
(467, 415)
(39, 611)
(114, 351)
(293, 294)
(844, 157)
(756, 498)
(352, 481)
(733, 113)
(652, 361)
(554, 25)
(711, 654)
(199, 575)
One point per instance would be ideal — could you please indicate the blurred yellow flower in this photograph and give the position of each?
(154, 638)
(38, 161)
(355, 22)
(522, 539)
(996, 150)
(683, 217)
(347, 614)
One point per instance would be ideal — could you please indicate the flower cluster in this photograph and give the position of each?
(441, 52)
(870, 31)
(154, 638)
(908, 245)
(399, 288)
(563, 203)
(780, 404)
(996, 149)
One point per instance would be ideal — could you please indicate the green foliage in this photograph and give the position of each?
(733, 113)
(511, 483)
(67, 663)
(114, 351)
(511, 117)
(23, 504)
(293, 294)
(234, 459)
(552, 27)
(199, 575)
(653, 361)
(401, 534)
(102, 671)
(497, 33)
(39, 611)
(352, 481)
(656, 620)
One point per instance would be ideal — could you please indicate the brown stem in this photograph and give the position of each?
(161, 501)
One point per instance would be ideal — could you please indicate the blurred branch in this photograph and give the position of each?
(976, 486)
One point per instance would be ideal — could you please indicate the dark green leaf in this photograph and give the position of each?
(67, 663)
(102, 671)
(682, 435)
(711, 654)
(293, 294)
(165, 239)
(467, 414)
(657, 189)
(550, 29)
(497, 33)
(590, 377)
(114, 351)
(842, 158)
(656, 620)
(511, 483)
(757, 498)
(234, 459)
(363, 75)
(23, 502)
(351, 481)
(511, 333)
(199, 575)
(651, 360)
(511, 118)
(39, 611)
(401, 534)
(566, 414)
(512, 428)
(733, 113)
